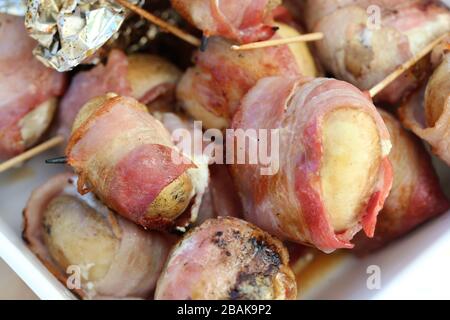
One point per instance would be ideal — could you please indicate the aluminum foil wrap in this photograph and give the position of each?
(70, 31)
(14, 7)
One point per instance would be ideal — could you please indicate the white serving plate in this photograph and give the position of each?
(415, 267)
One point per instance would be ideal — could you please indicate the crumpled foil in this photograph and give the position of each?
(14, 7)
(70, 31)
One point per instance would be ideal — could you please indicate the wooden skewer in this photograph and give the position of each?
(161, 23)
(404, 67)
(278, 42)
(31, 153)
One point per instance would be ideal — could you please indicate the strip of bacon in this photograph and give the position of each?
(24, 81)
(333, 176)
(243, 21)
(416, 195)
(427, 112)
(90, 84)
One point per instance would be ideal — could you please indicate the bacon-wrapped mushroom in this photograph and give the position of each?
(127, 158)
(78, 236)
(147, 78)
(333, 173)
(427, 112)
(367, 40)
(242, 21)
(29, 91)
(211, 91)
(227, 258)
(416, 195)
(313, 11)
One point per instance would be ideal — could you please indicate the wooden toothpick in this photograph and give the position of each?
(278, 42)
(161, 23)
(31, 153)
(404, 67)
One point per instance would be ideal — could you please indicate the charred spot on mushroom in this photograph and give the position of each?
(236, 234)
(218, 240)
(255, 281)
(266, 253)
(251, 286)
(47, 228)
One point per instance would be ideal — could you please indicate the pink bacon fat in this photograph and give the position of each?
(363, 53)
(25, 83)
(243, 21)
(333, 176)
(416, 195)
(142, 76)
(125, 156)
(136, 257)
(95, 82)
(227, 259)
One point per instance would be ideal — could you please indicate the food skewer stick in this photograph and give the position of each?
(277, 42)
(161, 23)
(404, 67)
(31, 153)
